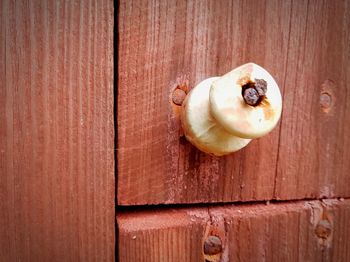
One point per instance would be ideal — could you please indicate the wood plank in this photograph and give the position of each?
(294, 231)
(166, 43)
(56, 131)
(314, 147)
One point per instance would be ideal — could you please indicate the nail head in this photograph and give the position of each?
(179, 96)
(212, 245)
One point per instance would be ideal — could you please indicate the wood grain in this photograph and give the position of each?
(314, 148)
(303, 44)
(274, 232)
(56, 131)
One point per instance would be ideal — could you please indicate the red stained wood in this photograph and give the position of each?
(303, 44)
(314, 149)
(274, 232)
(56, 131)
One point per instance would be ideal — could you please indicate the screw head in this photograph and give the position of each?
(212, 245)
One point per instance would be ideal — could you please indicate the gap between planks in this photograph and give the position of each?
(136, 208)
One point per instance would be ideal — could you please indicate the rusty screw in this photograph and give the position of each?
(178, 96)
(251, 96)
(323, 229)
(212, 245)
(254, 92)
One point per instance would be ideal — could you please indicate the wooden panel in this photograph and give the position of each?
(297, 231)
(56, 131)
(167, 43)
(314, 147)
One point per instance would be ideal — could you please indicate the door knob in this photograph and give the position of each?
(223, 114)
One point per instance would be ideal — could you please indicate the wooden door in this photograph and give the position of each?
(166, 44)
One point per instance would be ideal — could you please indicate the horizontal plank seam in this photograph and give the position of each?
(121, 209)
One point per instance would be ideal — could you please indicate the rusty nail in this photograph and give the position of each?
(212, 245)
(323, 229)
(261, 86)
(254, 92)
(251, 96)
(178, 96)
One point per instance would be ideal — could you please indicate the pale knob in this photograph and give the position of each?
(222, 114)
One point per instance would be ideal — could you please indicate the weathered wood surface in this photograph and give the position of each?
(303, 44)
(314, 148)
(56, 131)
(296, 231)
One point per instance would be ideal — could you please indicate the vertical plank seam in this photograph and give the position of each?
(116, 45)
(284, 83)
(347, 36)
